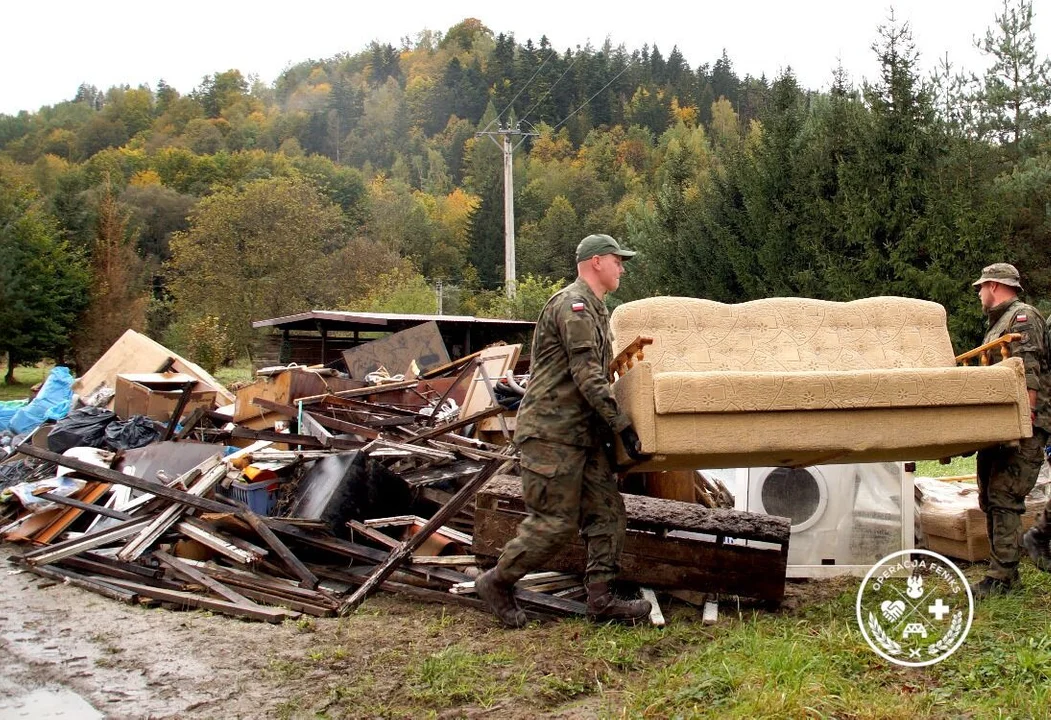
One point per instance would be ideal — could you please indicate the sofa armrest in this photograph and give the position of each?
(634, 393)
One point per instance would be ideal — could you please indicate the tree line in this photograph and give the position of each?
(360, 182)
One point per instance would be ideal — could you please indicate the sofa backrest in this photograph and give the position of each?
(786, 334)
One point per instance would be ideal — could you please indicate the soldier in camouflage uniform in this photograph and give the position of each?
(1006, 473)
(567, 416)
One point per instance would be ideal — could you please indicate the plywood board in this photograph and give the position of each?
(136, 353)
(496, 360)
(422, 344)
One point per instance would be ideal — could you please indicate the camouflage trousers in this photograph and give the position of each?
(566, 489)
(1006, 474)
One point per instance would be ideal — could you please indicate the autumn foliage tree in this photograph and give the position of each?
(255, 252)
(118, 295)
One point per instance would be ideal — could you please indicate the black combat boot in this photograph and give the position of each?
(603, 605)
(1039, 548)
(499, 594)
(989, 586)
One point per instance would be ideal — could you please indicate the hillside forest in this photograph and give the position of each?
(371, 181)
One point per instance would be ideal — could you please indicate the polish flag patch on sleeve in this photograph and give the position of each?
(1021, 317)
(577, 307)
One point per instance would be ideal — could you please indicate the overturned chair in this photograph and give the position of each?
(798, 382)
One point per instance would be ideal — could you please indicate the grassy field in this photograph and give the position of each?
(396, 658)
(26, 378)
(958, 467)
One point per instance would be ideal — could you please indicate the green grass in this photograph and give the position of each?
(958, 466)
(238, 371)
(806, 663)
(26, 377)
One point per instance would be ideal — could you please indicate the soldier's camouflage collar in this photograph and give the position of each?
(997, 312)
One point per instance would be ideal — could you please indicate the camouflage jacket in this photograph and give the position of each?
(1014, 316)
(568, 398)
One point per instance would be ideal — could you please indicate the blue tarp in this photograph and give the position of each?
(51, 403)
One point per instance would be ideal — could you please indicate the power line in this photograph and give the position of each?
(550, 89)
(556, 127)
(524, 88)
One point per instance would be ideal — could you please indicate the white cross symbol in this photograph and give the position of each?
(938, 609)
(914, 653)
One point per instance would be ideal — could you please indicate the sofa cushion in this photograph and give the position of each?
(718, 392)
(786, 334)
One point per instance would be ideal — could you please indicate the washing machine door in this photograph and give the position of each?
(799, 494)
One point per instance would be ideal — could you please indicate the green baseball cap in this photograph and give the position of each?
(1003, 273)
(599, 244)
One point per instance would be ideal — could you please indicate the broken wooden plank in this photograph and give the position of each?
(210, 471)
(189, 599)
(88, 507)
(399, 555)
(443, 560)
(91, 492)
(307, 578)
(53, 553)
(84, 582)
(191, 573)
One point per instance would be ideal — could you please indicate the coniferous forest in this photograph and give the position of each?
(371, 181)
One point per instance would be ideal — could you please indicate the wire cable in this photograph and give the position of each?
(524, 88)
(556, 127)
(550, 89)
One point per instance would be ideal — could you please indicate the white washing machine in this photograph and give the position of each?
(844, 518)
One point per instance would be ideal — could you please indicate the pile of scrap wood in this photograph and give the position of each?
(306, 491)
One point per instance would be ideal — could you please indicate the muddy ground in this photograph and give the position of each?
(65, 652)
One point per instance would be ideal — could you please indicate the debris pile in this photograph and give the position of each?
(307, 490)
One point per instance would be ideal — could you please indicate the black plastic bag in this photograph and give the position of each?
(84, 427)
(135, 432)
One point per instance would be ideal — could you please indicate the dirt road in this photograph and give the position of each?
(67, 649)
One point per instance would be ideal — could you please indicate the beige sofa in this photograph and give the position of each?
(797, 382)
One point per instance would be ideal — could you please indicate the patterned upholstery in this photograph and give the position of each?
(774, 359)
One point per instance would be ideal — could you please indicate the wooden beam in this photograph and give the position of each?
(398, 556)
(113, 476)
(85, 583)
(189, 599)
(307, 578)
(191, 573)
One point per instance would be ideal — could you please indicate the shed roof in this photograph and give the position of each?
(339, 320)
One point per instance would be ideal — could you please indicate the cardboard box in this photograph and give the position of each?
(156, 395)
(285, 387)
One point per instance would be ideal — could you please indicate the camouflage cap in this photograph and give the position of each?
(1003, 273)
(594, 245)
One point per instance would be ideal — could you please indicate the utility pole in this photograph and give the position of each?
(506, 132)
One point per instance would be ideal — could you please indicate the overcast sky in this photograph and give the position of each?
(49, 48)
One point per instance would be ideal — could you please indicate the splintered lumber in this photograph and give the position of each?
(105, 589)
(120, 478)
(89, 507)
(366, 554)
(189, 599)
(238, 550)
(53, 553)
(651, 556)
(399, 555)
(193, 574)
(91, 492)
(307, 578)
(210, 471)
